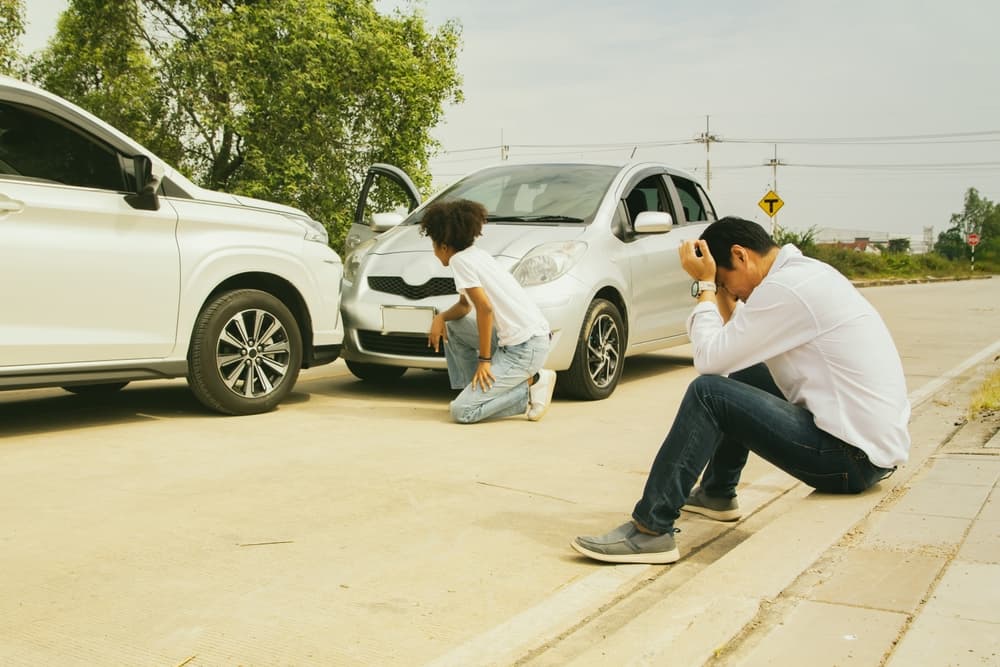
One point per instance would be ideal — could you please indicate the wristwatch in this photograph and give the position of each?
(699, 286)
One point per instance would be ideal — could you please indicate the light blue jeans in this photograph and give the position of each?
(511, 366)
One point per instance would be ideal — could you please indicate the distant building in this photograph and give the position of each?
(868, 241)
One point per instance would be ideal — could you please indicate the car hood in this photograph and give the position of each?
(498, 239)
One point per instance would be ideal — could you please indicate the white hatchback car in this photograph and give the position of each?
(117, 268)
(595, 246)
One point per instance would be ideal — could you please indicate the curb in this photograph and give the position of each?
(879, 282)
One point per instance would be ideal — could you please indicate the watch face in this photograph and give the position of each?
(695, 289)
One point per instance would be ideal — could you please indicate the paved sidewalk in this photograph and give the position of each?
(907, 573)
(916, 583)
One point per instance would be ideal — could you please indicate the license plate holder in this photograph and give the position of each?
(407, 319)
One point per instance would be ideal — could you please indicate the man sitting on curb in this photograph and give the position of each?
(795, 365)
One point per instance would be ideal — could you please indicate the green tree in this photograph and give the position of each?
(293, 100)
(898, 246)
(96, 59)
(980, 216)
(11, 29)
(950, 244)
(286, 100)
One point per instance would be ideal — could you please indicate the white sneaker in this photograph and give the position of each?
(540, 394)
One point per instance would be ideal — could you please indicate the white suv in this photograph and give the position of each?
(117, 268)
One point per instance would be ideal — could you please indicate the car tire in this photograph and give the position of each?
(376, 373)
(600, 354)
(95, 389)
(231, 369)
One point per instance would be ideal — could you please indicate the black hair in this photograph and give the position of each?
(726, 232)
(454, 223)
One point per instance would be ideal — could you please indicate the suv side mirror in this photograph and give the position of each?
(651, 222)
(144, 198)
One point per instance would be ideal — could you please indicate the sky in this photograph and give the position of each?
(880, 113)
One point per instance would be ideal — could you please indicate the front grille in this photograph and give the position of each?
(399, 344)
(399, 287)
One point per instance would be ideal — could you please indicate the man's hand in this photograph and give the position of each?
(699, 267)
(438, 333)
(484, 376)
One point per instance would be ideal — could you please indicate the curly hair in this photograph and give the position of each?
(455, 223)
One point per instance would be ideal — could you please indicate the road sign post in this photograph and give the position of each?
(973, 240)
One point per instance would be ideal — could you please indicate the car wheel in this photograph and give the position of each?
(95, 389)
(246, 351)
(600, 353)
(375, 372)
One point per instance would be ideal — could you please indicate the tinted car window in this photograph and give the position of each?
(688, 192)
(35, 145)
(532, 191)
(647, 195)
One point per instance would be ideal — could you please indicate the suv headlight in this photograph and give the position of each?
(546, 262)
(315, 231)
(352, 264)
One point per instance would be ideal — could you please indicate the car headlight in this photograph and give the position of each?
(352, 264)
(546, 262)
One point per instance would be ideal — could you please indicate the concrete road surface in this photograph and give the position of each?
(356, 524)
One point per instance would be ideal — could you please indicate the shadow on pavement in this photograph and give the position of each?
(49, 410)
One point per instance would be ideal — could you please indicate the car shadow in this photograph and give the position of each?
(642, 367)
(50, 410)
(432, 385)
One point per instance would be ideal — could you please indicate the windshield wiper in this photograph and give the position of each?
(532, 218)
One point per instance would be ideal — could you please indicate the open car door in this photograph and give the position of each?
(388, 195)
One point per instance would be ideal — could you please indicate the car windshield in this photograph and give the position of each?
(534, 193)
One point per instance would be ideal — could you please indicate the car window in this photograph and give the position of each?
(691, 200)
(647, 195)
(525, 193)
(385, 196)
(36, 145)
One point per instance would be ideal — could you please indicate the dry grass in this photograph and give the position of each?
(986, 400)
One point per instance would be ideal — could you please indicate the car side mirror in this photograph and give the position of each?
(383, 222)
(144, 198)
(653, 222)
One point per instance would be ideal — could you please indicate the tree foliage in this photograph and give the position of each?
(284, 100)
(11, 29)
(97, 61)
(979, 216)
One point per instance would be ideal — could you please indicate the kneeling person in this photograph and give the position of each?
(496, 355)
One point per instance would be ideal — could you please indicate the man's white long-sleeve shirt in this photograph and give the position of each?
(826, 347)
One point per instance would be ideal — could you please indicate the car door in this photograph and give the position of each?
(387, 195)
(661, 295)
(88, 278)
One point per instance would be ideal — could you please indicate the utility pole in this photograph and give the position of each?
(707, 138)
(504, 148)
(774, 164)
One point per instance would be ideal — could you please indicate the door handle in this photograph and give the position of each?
(8, 205)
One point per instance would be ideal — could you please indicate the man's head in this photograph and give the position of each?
(743, 254)
(452, 226)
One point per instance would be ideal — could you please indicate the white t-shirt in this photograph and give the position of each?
(826, 346)
(515, 315)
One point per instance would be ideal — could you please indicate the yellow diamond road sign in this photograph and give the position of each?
(771, 203)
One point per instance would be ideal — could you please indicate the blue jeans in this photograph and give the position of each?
(511, 366)
(720, 421)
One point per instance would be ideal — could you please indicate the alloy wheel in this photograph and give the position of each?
(603, 351)
(253, 353)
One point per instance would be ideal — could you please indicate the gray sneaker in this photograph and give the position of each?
(720, 509)
(625, 544)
